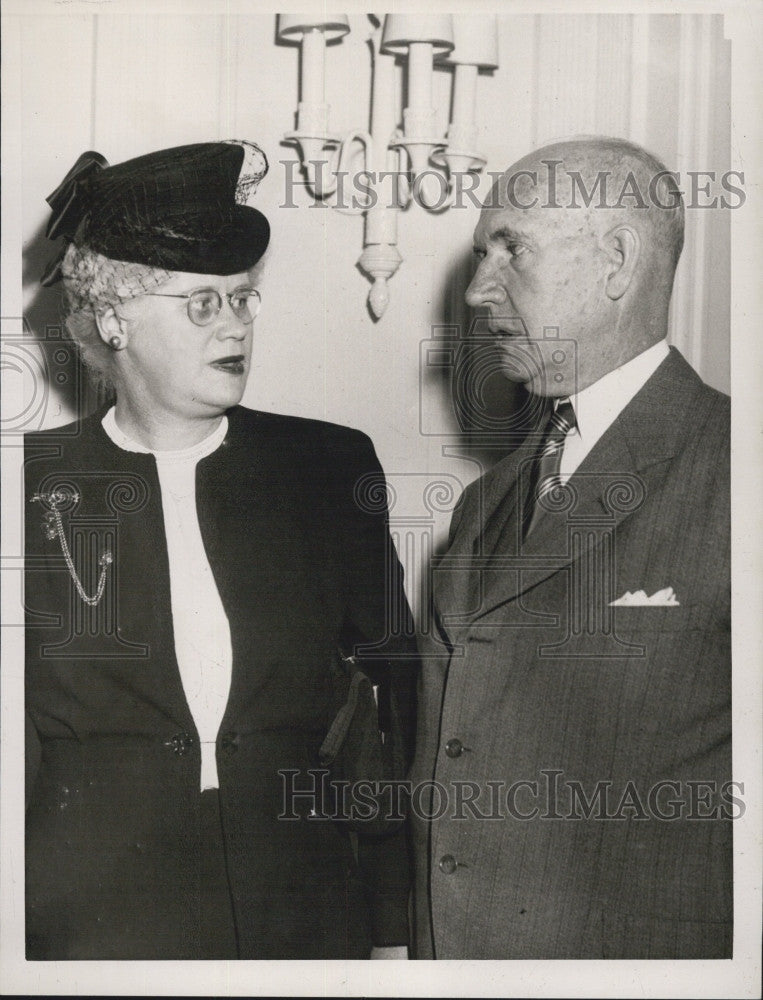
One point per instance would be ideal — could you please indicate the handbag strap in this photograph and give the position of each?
(336, 735)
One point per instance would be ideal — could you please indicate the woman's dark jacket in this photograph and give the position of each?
(294, 521)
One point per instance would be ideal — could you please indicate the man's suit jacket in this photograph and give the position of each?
(551, 720)
(296, 536)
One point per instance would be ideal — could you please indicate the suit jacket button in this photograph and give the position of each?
(454, 748)
(229, 743)
(448, 864)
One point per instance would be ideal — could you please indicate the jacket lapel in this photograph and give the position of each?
(626, 465)
(121, 500)
(457, 574)
(562, 537)
(255, 525)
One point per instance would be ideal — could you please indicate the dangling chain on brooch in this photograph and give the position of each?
(53, 525)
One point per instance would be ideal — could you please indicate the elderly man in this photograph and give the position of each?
(573, 791)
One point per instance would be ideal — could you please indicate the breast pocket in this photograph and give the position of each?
(651, 619)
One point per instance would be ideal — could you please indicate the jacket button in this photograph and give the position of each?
(448, 864)
(229, 742)
(454, 748)
(180, 743)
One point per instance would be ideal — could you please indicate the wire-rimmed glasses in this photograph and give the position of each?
(204, 304)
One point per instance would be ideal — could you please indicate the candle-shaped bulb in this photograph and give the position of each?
(313, 66)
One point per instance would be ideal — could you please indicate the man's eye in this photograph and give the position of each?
(478, 253)
(516, 249)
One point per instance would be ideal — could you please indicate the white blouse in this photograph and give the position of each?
(201, 629)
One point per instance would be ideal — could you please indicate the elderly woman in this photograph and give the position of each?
(193, 568)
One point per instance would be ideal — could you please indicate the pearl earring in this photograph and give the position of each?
(116, 342)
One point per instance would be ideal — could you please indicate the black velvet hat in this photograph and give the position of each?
(180, 209)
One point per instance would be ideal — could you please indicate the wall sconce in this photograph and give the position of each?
(469, 43)
(421, 39)
(312, 134)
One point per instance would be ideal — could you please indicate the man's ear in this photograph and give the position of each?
(623, 246)
(111, 328)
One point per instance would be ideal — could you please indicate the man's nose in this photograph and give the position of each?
(485, 288)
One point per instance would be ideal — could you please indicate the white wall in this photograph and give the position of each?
(124, 84)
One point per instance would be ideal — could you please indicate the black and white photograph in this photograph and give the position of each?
(381, 552)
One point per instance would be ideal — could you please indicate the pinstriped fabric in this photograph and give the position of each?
(541, 888)
(545, 475)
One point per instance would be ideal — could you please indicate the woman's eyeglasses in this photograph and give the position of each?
(205, 303)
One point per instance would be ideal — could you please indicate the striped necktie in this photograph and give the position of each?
(544, 476)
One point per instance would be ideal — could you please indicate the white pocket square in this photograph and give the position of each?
(665, 598)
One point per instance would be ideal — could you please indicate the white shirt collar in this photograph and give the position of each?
(192, 454)
(599, 404)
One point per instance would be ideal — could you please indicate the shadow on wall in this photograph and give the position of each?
(466, 400)
(482, 415)
(59, 381)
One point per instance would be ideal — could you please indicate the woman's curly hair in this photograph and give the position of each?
(91, 283)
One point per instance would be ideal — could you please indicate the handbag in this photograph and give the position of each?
(363, 748)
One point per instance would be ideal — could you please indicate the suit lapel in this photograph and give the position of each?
(559, 538)
(457, 574)
(625, 466)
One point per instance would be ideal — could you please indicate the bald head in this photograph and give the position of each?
(605, 181)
